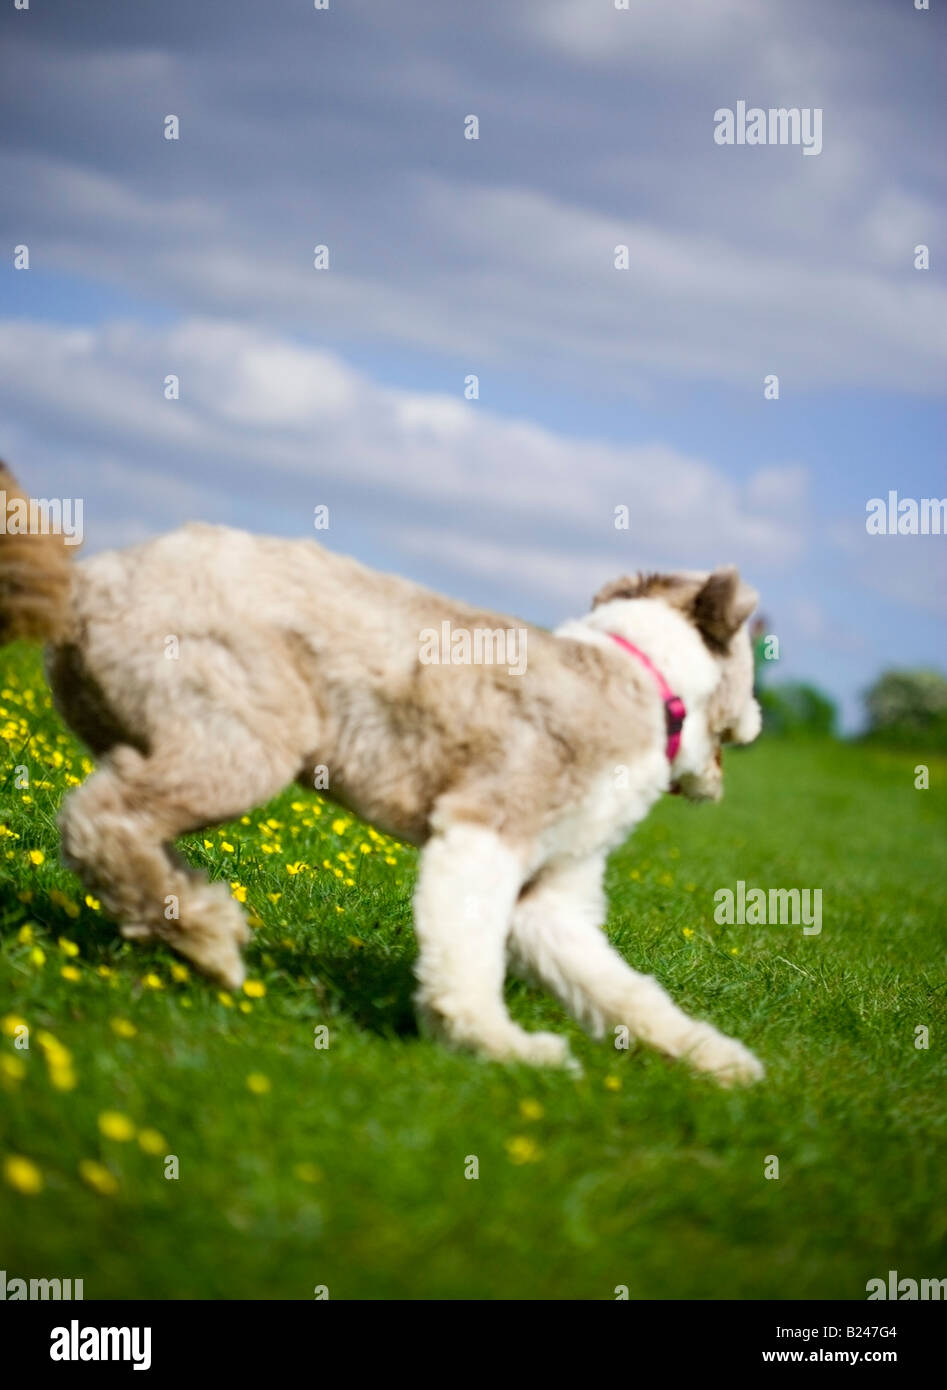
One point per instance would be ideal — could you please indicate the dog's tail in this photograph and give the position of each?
(35, 571)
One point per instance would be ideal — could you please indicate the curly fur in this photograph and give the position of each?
(208, 668)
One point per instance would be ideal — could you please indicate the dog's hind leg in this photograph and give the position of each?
(556, 937)
(467, 886)
(116, 834)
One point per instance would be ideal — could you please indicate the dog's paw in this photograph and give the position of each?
(135, 932)
(210, 932)
(218, 957)
(497, 1038)
(226, 966)
(726, 1060)
(536, 1049)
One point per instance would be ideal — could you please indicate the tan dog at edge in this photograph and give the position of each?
(515, 785)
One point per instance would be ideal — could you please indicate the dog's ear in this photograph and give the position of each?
(628, 586)
(722, 605)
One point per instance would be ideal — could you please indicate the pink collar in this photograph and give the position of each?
(674, 711)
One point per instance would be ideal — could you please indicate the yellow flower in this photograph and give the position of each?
(151, 1141)
(37, 957)
(122, 1028)
(152, 981)
(522, 1150)
(13, 1068)
(52, 1047)
(68, 948)
(666, 880)
(734, 951)
(364, 849)
(116, 1126)
(687, 931)
(10, 1023)
(258, 1083)
(69, 972)
(390, 859)
(227, 847)
(531, 1110)
(94, 903)
(340, 826)
(612, 1083)
(254, 989)
(61, 1074)
(25, 934)
(23, 1175)
(308, 1172)
(179, 972)
(246, 1007)
(98, 1177)
(297, 806)
(104, 971)
(37, 856)
(274, 897)
(296, 868)
(225, 999)
(238, 891)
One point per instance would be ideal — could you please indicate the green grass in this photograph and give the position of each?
(348, 1171)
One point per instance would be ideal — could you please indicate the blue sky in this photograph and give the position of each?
(598, 387)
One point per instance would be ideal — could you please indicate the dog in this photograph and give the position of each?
(209, 668)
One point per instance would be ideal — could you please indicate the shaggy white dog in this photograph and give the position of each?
(208, 668)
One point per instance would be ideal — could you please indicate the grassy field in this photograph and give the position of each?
(345, 1166)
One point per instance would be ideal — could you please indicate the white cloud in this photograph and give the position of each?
(272, 423)
(645, 31)
(911, 570)
(523, 275)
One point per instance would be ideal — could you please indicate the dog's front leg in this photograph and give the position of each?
(468, 884)
(556, 937)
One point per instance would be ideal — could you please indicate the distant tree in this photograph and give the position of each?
(909, 707)
(793, 708)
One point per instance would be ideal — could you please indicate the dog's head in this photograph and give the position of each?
(721, 708)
